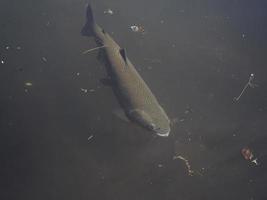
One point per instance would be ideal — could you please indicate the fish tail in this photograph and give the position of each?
(88, 28)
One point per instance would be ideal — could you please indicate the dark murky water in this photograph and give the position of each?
(59, 142)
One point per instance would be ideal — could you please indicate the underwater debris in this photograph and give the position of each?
(134, 28)
(248, 155)
(248, 84)
(108, 11)
(189, 170)
(28, 84)
(160, 165)
(137, 29)
(84, 90)
(90, 137)
(44, 59)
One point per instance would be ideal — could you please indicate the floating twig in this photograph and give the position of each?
(249, 84)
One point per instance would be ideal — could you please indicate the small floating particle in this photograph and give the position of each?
(247, 153)
(18, 48)
(91, 90)
(255, 161)
(108, 11)
(84, 90)
(2, 62)
(160, 165)
(7, 47)
(78, 73)
(28, 84)
(44, 59)
(137, 29)
(90, 137)
(134, 28)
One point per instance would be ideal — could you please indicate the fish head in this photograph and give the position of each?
(158, 125)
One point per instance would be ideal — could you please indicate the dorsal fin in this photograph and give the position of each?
(123, 54)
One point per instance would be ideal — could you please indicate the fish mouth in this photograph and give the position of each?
(163, 132)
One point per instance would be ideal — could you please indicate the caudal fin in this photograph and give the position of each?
(88, 28)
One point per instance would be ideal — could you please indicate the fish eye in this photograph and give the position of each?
(152, 126)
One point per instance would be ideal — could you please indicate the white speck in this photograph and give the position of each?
(90, 137)
(84, 90)
(2, 62)
(28, 84)
(78, 73)
(109, 11)
(243, 35)
(134, 28)
(160, 165)
(18, 48)
(7, 47)
(44, 59)
(91, 90)
(255, 161)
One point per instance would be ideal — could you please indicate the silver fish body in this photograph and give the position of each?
(135, 97)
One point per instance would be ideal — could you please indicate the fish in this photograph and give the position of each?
(134, 96)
